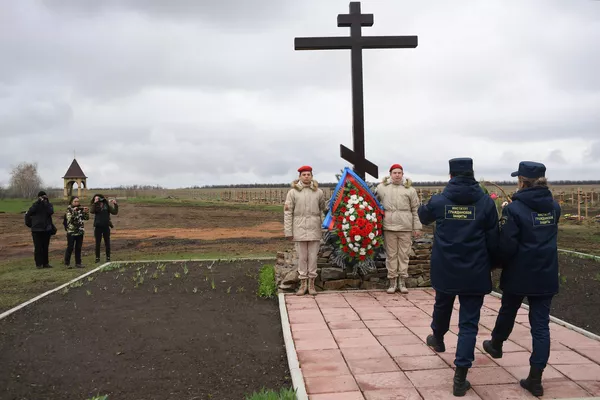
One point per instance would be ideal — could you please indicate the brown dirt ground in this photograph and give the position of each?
(162, 228)
(169, 338)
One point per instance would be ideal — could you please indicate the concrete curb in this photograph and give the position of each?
(49, 292)
(560, 322)
(290, 349)
(577, 253)
(198, 260)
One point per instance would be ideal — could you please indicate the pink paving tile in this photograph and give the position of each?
(357, 341)
(593, 387)
(409, 350)
(341, 317)
(304, 316)
(399, 394)
(420, 331)
(431, 377)
(353, 353)
(396, 302)
(563, 390)
(327, 368)
(315, 344)
(319, 356)
(297, 299)
(383, 324)
(580, 372)
(592, 354)
(415, 322)
(516, 359)
(311, 326)
(398, 340)
(389, 331)
(383, 380)
(309, 335)
(302, 306)
(586, 343)
(445, 394)
(550, 374)
(420, 363)
(372, 365)
(489, 376)
(503, 392)
(346, 325)
(351, 333)
(377, 316)
(330, 384)
(566, 357)
(337, 396)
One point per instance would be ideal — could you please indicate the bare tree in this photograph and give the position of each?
(25, 181)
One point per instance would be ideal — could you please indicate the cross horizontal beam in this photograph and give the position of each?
(346, 43)
(363, 165)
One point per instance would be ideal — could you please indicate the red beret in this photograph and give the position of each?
(396, 166)
(304, 168)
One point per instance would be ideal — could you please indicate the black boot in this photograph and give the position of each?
(533, 383)
(436, 344)
(493, 348)
(461, 384)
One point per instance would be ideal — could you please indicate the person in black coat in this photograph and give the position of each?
(39, 219)
(102, 209)
(528, 245)
(464, 249)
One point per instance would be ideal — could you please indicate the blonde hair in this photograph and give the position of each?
(533, 182)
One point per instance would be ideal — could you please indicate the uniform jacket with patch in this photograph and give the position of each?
(466, 237)
(528, 243)
(303, 211)
(400, 204)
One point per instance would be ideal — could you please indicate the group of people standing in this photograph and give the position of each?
(469, 241)
(39, 219)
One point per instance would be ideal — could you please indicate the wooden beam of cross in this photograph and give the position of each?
(356, 43)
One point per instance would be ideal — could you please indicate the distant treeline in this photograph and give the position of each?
(333, 184)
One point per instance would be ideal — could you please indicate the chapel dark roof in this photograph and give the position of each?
(74, 171)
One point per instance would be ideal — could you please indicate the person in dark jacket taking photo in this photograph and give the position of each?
(464, 249)
(102, 209)
(39, 219)
(528, 245)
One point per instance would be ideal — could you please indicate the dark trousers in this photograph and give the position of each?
(99, 233)
(73, 241)
(468, 323)
(41, 243)
(539, 319)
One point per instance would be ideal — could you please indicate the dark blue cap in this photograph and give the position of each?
(530, 169)
(461, 165)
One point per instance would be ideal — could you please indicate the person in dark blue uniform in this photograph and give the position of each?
(527, 243)
(464, 249)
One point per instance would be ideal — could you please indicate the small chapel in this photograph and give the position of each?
(74, 175)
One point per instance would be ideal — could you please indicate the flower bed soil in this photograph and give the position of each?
(202, 335)
(578, 300)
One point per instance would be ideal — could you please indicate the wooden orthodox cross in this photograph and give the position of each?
(356, 43)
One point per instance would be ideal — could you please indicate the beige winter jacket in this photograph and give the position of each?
(303, 212)
(400, 204)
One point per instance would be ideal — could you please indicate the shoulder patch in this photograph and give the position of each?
(543, 219)
(463, 213)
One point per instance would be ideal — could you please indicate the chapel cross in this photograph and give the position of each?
(356, 43)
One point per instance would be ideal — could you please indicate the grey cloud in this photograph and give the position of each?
(556, 156)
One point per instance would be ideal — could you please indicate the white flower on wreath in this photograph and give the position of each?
(344, 221)
(351, 210)
(347, 213)
(373, 216)
(357, 238)
(369, 208)
(353, 197)
(352, 218)
(374, 241)
(360, 198)
(371, 236)
(376, 233)
(361, 207)
(362, 252)
(346, 227)
(369, 247)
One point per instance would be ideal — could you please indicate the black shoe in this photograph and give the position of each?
(79, 266)
(461, 384)
(47, 266)
(107, 259)
(97, 259)
(493, 348)
(69, 266)
(437, 344)
(39, 266)
(533, 383)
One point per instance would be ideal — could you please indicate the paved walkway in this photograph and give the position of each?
(370, 345)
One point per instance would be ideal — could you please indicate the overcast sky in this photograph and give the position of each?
(188, 92)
